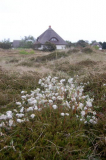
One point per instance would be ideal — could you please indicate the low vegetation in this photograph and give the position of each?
(55, 109)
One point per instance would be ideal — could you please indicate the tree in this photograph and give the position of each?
(27, 42)
(48, 46)
(5, 44)
(104, 45)
(81, 43)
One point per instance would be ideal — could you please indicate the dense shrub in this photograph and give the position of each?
(49, 46)
(87, 50)
(5, 45)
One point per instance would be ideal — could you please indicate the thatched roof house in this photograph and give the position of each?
(98, 45)
(50, 36)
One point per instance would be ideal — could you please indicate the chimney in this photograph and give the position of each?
(49, 26)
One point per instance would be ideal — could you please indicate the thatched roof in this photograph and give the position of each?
(52, 36)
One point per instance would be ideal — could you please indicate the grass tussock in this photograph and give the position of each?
(86, 63)
(12, 84)
(96, 86)
(56, 55)
(24, 52)
(87, 50)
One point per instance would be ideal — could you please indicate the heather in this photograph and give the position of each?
(59, 114)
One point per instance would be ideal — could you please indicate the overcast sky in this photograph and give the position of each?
(72, 19)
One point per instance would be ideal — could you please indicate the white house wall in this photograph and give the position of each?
(60, 46)
(57, 47)
(41, 48)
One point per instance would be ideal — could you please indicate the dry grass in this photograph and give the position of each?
(51, 136)
(77, 62)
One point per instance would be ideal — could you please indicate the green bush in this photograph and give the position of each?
(48, 46)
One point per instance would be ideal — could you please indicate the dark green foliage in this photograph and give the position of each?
(104, 45)
(48, 46)
(5, 44)
(81, 43)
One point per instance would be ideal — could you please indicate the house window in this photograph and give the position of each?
(53, 39)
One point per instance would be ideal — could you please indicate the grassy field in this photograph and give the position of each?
(53, 105)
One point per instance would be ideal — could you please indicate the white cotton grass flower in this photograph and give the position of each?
(70, 80)
(62, 80)
(62, 114)
(60, 98)
(15, 110)
(67, 114)
(20, 120)
(91, 120)
(18, 103)
(22, 109)
(2, 124)
(73, 107)
(80, 106)
(85, 122)
(67, 104)
(50, 101)
(40, 81)
(9, 114)
(94, 113)
(32, 101)
(30, 109)
(23, 92)
(73, 99)
(83, 113)
(23, 97)
(10, 123)
(32, 115)
(53, 98)
(20, 115)
(89, 103)
(85, 108)
(3, 117)
(54, 106)
(35, 108)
